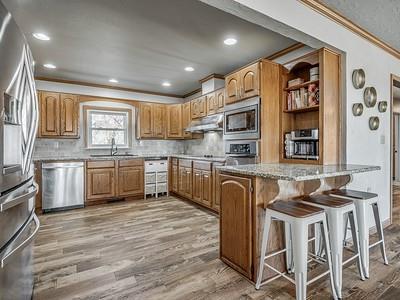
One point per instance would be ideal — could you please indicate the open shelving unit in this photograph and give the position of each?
(325, 115)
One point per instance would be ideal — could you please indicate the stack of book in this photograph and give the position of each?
(303, 97)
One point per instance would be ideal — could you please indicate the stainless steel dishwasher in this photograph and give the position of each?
(62, 186)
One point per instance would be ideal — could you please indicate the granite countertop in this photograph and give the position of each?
(297, 172)
(116, 157)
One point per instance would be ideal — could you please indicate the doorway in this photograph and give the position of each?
(395, 148)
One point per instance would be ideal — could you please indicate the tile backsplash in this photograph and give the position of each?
(212, 143)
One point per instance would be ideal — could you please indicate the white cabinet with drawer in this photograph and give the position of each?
(156, 177)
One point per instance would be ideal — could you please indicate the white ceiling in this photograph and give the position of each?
(141, 43)
(381, 18)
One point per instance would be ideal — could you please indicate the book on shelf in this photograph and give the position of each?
(297, 99)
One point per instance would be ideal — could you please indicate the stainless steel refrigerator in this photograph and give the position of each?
(18, 126)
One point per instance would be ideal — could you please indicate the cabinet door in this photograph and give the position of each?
(232, 87)
(49, 114)
(69, 115)
(186, 119)
(195, 108)
(158, 121)
(189, 183)
(249, 78)
(220, 99)
(212, 105)
(146, 120)
(202, 107)
(206, 188)
(182, 182)
(197, 185)
(174, 178)
(235, 220)
(174, 121)
(130, 181)
(100, 183)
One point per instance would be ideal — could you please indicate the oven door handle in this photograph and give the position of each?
(21, 198)
(7, 258)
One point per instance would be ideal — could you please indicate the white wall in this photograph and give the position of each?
(362, 145)
(102, 92)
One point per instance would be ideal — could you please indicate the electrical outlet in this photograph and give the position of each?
(383, 139)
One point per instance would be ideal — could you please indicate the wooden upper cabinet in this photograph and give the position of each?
(186, 119)
(220, 98)
(131, 181)
(174, 121)
(250, 81)
(69, 115)
(146, 120)
(100, 183)
(199, 107)
(243, 84)
(212, 103)
(236, 226)
(49, 114)
(232, 87)
(159, 120)
(59, 115)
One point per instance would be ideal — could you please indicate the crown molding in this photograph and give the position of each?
(341, 20)
(285, 51)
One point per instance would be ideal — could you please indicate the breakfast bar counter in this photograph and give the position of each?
(245, 191)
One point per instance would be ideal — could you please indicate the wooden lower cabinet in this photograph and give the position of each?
(130, 181)
(236, 223)
(100, 183)
(206, 188)
(185, 182)
(114, 179)
(174, 178)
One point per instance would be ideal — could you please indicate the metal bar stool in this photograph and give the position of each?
(336, 210)
(299, 216)
(363, 201)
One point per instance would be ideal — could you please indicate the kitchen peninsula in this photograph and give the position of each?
(246, 190)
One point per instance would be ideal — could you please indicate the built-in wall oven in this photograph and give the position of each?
(242, 120)
(243, 152)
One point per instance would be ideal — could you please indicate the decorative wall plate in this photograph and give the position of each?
(358, 78)
(370, 96)
(382, 106)
(373, 123)
(358, 109)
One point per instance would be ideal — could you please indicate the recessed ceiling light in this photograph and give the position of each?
(230, 41)
(166, 83)
(49, 66)
(189, 69)
(41, 36)
(112, 80)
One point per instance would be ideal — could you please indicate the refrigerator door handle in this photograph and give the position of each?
(22, 198)
(20, 247)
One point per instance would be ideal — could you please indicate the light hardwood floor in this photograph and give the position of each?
(167, 249)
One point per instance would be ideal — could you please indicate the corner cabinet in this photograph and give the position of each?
(243, 84)
(58, 115)
(186, 119)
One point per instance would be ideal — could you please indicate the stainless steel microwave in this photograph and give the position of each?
(242, 120)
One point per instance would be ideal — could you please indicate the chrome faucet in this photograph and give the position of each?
(113, 152)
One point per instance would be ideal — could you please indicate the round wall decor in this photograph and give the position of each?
(358, 78)
(370, 96)
(358, 109)
(382, 106)
(373, 123)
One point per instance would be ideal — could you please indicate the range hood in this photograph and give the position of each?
(209, 123)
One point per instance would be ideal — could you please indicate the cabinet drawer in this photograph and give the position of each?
(161, 188)
(185, 163)
(100, 164)
(150, 188)
(202, 165)
(156, 166)
(130, 162)
(150, 178)
(174, 161)
(162, 177)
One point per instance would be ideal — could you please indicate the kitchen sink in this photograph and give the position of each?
(115, 155)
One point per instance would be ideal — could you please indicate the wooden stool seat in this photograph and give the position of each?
(353, 194)
(327, 200)
(294, 208)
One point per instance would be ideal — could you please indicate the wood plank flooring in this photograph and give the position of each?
(167, 249)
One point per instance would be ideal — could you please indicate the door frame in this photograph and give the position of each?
(392, 79)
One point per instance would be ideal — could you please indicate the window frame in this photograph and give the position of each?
(87, 109)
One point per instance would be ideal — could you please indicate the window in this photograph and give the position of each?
(103, 124)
